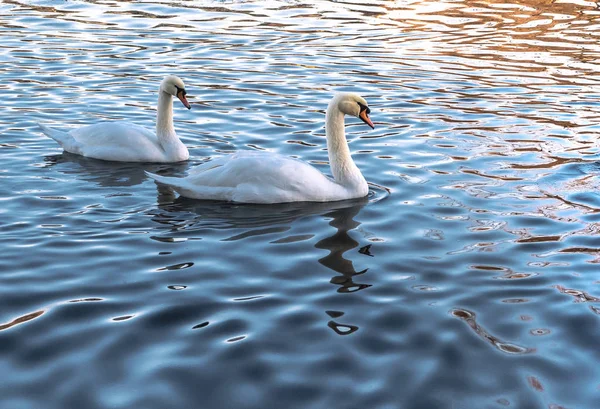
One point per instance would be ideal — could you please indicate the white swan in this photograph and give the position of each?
(127, 142)
(262, 177)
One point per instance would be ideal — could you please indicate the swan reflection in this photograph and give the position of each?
(338, 244)
(257, 220)
(105, 173)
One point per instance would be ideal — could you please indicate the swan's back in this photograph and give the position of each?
(250, 166)
(115, 134)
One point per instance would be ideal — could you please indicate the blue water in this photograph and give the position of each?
(467, 279)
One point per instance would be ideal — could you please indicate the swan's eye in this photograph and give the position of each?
(364, 108)
(181, 90)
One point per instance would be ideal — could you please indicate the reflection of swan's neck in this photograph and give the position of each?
(343, 168)
(164, 119)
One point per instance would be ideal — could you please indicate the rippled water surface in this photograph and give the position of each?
(468, 278)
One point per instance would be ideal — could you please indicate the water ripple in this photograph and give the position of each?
(483, 194)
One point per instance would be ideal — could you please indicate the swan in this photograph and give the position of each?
(127, 142)
(263, 177)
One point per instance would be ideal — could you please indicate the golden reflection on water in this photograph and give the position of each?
(547, 42)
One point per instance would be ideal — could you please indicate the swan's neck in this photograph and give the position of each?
(164, 119)
(168, 140)
(343, 168)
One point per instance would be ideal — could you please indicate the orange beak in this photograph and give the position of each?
(365, 118)
(183, 99)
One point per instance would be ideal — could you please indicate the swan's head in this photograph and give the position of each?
(355, 105)
(173, 85)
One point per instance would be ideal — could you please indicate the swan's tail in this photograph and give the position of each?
(64, 139)
(186, 188)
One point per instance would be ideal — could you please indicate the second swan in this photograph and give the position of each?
(126, 142)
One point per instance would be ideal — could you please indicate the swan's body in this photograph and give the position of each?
(263, 177)
(127, 142)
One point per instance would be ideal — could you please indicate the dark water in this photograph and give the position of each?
(473, 283)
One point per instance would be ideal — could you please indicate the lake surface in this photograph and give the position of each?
(469, 278)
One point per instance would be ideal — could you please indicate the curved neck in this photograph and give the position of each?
(344, 171)
(164, 118)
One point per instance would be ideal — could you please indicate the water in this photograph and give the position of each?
(468, 279)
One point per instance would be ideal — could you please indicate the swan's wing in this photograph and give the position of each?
(264, 177)
(211, 164)
(120, 141)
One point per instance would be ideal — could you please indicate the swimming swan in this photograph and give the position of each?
(263, 177)
(127, 142)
